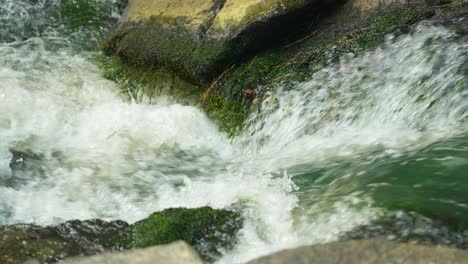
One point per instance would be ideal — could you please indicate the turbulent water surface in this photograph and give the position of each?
(383, 130)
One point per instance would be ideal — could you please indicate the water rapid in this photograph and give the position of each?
(387, 129)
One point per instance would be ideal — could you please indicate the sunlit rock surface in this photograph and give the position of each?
(178, 252)
(198, 39)
(365, 251)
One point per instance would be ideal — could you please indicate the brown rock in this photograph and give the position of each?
(366, 251)
(174, 253)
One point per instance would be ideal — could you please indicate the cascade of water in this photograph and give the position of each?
(319, 158)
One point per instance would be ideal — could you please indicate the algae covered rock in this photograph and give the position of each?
(198, 38)
(206, 229)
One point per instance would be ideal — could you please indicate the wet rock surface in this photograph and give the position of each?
(24, 165)
(20, 243)
(198, 39)
(206, 229)
(411, 227)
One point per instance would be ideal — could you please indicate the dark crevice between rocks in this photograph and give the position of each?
(281, 30)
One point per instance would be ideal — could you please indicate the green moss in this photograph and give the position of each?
(298, 61)
(229, 114)
(136, 82)
(198, 61)
(397, 20)
(229, 98)
(204, 228)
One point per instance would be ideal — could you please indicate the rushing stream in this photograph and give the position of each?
(383, 130)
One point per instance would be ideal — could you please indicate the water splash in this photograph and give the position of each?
(307, 169)
(407, 89)
(83, 22)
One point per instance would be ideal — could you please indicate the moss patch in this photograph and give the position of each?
(138, 82)
(198, 61)
(298, 61)
(206, 229)
(228, 99)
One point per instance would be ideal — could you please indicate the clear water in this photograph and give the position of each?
(383, 130)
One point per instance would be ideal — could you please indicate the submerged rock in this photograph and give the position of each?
(366, 251)
(24, 165)
(177, 252)
(411, 227)
(207, 229)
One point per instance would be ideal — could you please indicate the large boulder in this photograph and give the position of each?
(366, 251)
(198, 38)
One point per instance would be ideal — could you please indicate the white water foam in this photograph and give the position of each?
(104, 157)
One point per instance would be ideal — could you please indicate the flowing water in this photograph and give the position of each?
(383, 130)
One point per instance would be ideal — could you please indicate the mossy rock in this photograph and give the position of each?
(206, 229)
(323, 45)
(198, 39)
(228, 98)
